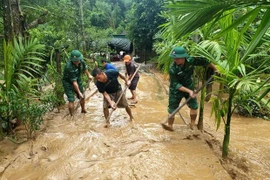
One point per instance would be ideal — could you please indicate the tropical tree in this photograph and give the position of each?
(143, 22)
(236, 44)
(19, 95)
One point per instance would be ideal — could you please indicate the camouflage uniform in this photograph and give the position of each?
(182, 76)
(73, 73)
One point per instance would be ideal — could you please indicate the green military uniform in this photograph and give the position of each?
(73, 73)
(182, 76)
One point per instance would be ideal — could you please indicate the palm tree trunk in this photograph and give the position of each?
(208, 92)
(226, 139)
(201, 108)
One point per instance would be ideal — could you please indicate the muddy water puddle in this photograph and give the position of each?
(81, 148)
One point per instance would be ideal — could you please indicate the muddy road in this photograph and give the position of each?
(81, 148)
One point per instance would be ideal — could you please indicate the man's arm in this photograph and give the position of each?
(88, 74)
(109, 100)
(123, 77)
(189, 91)
(130, 76)
(177, 85)
(77, 89)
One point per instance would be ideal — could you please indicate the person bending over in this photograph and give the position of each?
(107, 83)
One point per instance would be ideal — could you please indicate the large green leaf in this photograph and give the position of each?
(22, 60)
(261, 30)
(196, 13)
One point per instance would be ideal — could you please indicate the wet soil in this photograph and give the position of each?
(81, 148)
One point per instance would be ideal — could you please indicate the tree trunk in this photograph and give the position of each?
(58, 61)
(209, 73)
(201, 109)
(14, 21)
(208, 92)
(8, 32)
(226, 139)
(82, 26)
(58, 80)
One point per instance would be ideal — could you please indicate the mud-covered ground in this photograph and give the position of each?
(81, 148)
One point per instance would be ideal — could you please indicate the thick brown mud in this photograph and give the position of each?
(81, 148)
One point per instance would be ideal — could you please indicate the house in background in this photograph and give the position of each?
(121, 45)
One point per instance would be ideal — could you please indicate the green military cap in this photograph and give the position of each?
(75, 56)
(179, 52)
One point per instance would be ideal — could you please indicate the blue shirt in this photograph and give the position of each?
(109, 66)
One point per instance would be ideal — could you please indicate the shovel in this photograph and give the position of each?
(123, 92)
(163, 124)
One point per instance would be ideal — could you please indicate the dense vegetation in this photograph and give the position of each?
(54, 28)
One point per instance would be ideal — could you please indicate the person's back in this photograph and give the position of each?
(107, 66)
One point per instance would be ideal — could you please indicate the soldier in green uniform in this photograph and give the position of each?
(72, 80)
(181, 83)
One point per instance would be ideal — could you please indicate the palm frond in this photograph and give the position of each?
(22, 60)
(210, 50)
(250, 16)
(8, 65)
(196, 13)
(261, 30)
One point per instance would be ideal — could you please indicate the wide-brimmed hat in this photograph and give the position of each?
(75, 56)
(179, 52)
(127, 58)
